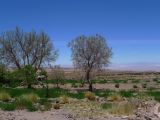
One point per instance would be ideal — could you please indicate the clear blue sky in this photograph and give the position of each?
(131, 27)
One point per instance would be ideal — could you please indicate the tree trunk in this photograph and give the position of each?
(88, 80)
(90, 87)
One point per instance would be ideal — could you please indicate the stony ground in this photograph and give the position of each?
(147, 111)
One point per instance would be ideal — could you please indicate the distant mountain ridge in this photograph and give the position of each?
(136, 67)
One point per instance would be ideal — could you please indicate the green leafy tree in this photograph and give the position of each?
(29, 74)
(2, 74)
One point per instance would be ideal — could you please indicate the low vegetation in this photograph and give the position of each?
(4, 96)
(90, 96)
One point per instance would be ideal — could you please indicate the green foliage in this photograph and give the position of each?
(4, 96)
(22, 103)
(29, 74)
(119, 81)
(26, 102)
(155, 94)
(7, 106)
(2, 74)
(25, 75)
(127, 94)
(32, 97)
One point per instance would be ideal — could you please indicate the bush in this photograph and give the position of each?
(27, 102)
(90, 96)
(7, 106)
(31, 97)
(4, 96)
(29, 75)
(22, 103)
(129, 93)
(115, 98)
(63, 99)
(135, 86)
(117, 85)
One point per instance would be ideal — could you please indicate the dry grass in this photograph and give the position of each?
(63, 99)
(90, 96)
(122, 108)
(31, 97)
(115, 98)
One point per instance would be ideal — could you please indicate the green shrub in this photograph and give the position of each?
(7, 106)
(127, 94)
(31, 97)
(27, 101)
(29, 75)
(4, 96)
(22, 103)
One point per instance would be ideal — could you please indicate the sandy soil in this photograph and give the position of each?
(25, 115)
(49, 115)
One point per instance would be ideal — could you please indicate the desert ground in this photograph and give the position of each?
(116, 96)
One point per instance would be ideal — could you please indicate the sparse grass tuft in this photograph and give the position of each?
(63, 99)
(31, 97)
(122, 108)
(107, 106)
(90, 96)
(115, 98)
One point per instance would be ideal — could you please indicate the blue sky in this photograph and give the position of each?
(131, 27)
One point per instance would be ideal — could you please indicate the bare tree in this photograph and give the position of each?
(90, 53)
(57, 74)
(20, 48)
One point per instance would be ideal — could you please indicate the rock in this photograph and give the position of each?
(156, 110)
